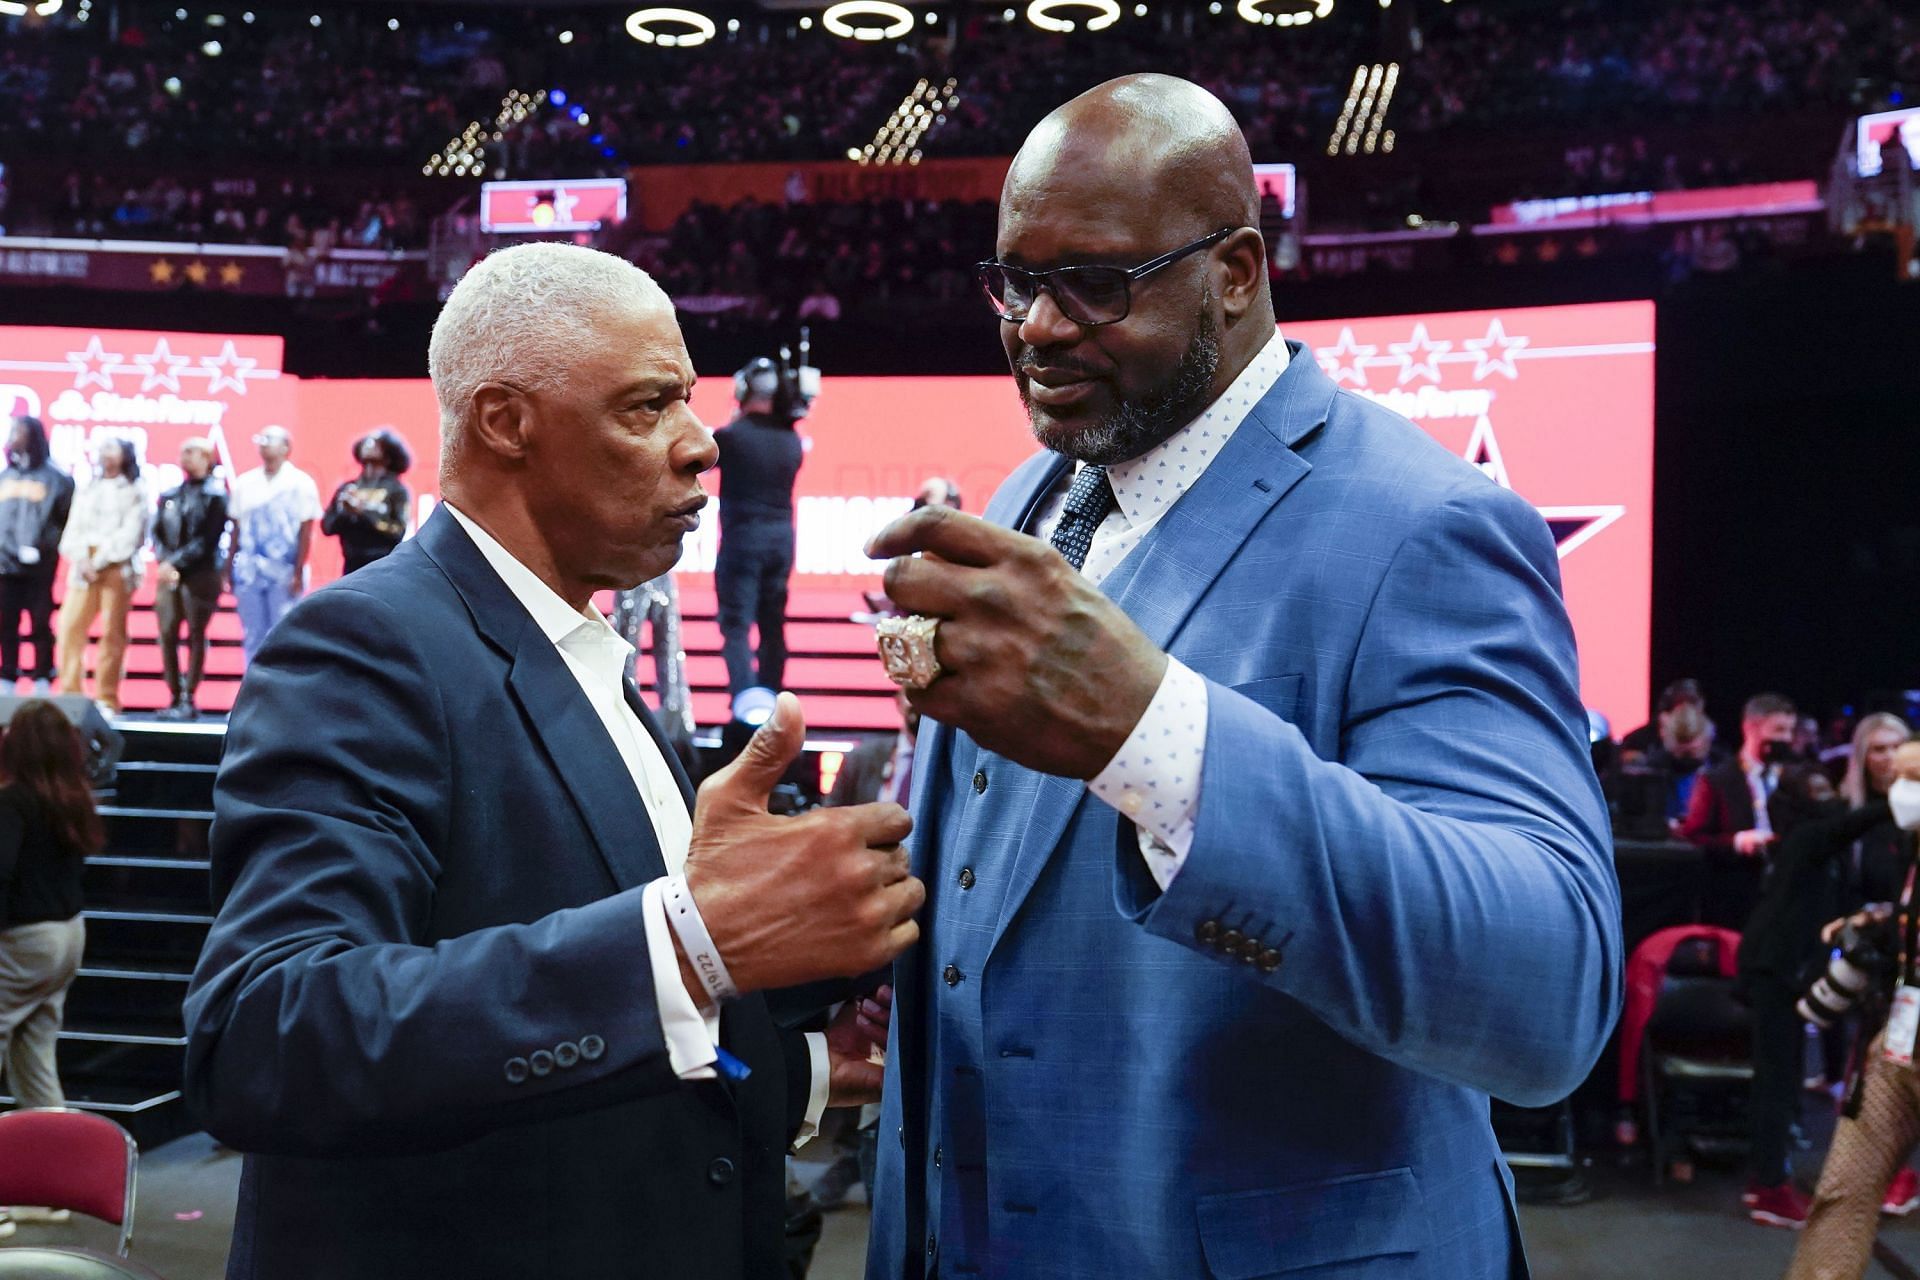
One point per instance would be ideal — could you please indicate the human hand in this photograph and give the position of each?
(167, 574)
(1036, 664)
(1751, 843)
(825, 894)
(855, 1032)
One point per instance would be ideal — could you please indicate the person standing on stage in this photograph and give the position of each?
(35, 497)
(274, 508)
(369, 513)
(102, 544)
(186, 542)
(760, 455)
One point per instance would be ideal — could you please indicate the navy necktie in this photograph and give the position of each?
(1088, 502)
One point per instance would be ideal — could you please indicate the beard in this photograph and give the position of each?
(1135, 425)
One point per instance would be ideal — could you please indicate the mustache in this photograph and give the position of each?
(1031, 358)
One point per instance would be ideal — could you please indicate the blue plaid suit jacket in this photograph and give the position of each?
(1400, 899)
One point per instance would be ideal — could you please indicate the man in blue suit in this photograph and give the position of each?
(1260, 839)
(484, 993)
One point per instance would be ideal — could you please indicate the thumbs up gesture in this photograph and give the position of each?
(792, 900)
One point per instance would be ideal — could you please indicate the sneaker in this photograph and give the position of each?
(1781, 1206)
(1903, 1196)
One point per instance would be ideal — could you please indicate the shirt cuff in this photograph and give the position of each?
(817, 1092)
(690, 1035)
(1154, 779)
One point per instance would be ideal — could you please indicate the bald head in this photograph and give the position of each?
(1147, 169)
(1163, 141)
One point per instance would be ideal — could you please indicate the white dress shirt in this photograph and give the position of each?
(597, 656)
(1154, 779)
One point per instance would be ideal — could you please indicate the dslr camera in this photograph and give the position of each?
(1863, 955)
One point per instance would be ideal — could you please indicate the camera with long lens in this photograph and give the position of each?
(1863, 955)
(791, 383)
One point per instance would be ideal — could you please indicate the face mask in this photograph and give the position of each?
(1778, 753)
(1904, 798)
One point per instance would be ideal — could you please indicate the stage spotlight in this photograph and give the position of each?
(566, 37)
(1287, 13)
(733, 25)
(558, 97)
(1042, 14)
(639, 26)
(898, 17)
(754, 706)
(212, 49)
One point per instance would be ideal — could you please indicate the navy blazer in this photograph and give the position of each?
(1400, 899)
(425, 1010)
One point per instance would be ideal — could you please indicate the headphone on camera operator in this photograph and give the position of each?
(1875, 963)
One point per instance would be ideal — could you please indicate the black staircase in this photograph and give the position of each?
(147, 913)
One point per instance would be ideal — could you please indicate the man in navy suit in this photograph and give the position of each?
(1260, 836)
(482, 998)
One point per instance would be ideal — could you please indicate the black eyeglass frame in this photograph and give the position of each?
(1046, 280)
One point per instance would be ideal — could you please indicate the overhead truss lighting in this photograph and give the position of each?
(1287, 13)
(1363, 116)
(1044, 14)
(898, 19)
(898, 140)
(641, 26)
(466, 155)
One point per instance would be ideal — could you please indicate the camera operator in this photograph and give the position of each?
(1804, 887)
(1881, 1125)
(760, 456)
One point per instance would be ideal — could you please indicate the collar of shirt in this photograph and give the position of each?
(1144, 487)
(585, 633)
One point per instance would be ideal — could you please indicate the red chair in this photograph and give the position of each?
(67, 1159)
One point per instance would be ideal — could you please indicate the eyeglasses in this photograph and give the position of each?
(1088, 296)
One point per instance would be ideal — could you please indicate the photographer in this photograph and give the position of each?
(1881, 1126)
(760, 456)
(1781, 943)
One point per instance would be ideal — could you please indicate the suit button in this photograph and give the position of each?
(1269, 960)
(566, 1053)
(591, 1047)
(980, 782)
(966, 877)
(1230, 941)
(1207, 931)
(720, 1172)
(1250, 953)
(952, 975)
(516, 1070)
(936, 1157)
(930, 1247)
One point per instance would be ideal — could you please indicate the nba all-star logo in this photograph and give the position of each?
(1423, 358)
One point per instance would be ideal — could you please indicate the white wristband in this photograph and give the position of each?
(684, 915)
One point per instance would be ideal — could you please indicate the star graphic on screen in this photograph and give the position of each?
(230, 273)
(197, 272)
(1495, 351)
(1572, 527)
(1429, 352)
(93, 365)
(162, 368)
(563, 204)
(1508, 253)
(160, 271)
(1342, 360)
(227, 360)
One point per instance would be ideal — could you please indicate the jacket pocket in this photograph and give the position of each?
(1247, 1235)
(1278, 694)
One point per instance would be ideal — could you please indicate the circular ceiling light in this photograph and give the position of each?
(1044, 14)
(640, 27)
(1295, 13)
(898, 17)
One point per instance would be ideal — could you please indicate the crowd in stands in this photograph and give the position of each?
(219, 211)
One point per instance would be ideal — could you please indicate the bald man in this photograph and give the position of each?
(1255, 810)
(484, 993)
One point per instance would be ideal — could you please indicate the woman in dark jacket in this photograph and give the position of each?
(369, 513)
(48, 827)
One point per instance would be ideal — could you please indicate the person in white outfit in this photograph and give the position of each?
(102, 545)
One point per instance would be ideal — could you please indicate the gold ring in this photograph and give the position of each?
(906, 650)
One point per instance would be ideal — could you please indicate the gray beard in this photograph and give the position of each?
(1137, 425)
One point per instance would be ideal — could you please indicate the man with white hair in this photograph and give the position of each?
(274, 509)
(480, 958)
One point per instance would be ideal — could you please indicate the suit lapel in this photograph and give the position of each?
(1165, 577)
(556, 709)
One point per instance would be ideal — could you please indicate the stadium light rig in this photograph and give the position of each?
(898, 17)
(1041, 14)
(641, 25)
(466, 155)
(19, 8)
(1299, 15)
(1363, 115)
(898, 140)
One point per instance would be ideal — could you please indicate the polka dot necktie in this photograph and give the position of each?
(1088, 502)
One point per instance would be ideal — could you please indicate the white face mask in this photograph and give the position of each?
(1904, 798)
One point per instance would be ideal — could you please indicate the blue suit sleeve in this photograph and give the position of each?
(1444, 896)
(321, 1019)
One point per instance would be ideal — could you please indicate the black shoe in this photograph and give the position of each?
(183, 709)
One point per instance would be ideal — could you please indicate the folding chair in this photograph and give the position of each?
(68, 1159)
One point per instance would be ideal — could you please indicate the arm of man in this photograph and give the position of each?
(1706, 826)
(321, 1020)
(1443, 896)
